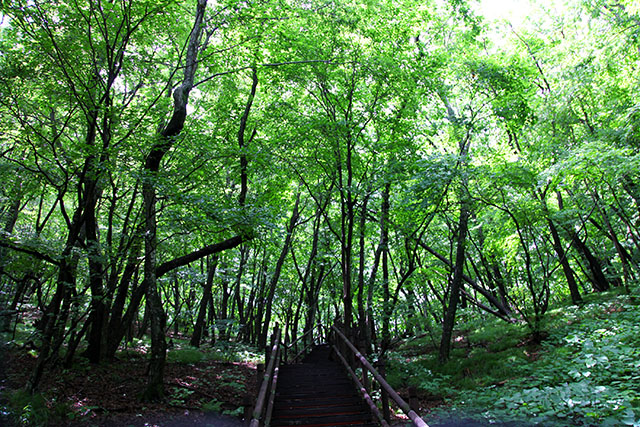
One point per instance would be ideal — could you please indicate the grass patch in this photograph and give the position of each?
(227, 351)
(187, 355)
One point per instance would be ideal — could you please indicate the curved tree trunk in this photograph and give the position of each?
(155, 387)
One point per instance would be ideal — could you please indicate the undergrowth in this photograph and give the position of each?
(586, 371)
(222, 351)
(213, 370)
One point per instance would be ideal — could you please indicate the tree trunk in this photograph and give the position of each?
(622, 254)
(562, 256)
(155, 387)
(206, 296)
(564, 262)
(12, 218)
(362, 317)
(454, 291)
(154, 308)
(384, 241)
(53, 322)
(97, 309)
(596, 275)
(262, 341)
(117, 325)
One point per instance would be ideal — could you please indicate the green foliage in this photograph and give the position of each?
(542, 125)
(34, 410)
(585, 372)
(234, 412)
(227, 351)
(212, 406)
(27, 409)
(216, 406)
(179, 396)
(185, 355)
(222, 351)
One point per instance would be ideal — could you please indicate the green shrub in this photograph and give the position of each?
(27, 409)
(212, 406)
(587, 371)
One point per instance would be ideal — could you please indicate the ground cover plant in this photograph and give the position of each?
(584, 372)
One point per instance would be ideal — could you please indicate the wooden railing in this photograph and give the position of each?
(261, 415)
(344, 350)
(299, 347)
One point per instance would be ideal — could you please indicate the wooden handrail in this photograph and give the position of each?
(293, 346)
(415, 418)
(262, 409)
(299, 338)
(287, 358)
(362, 388)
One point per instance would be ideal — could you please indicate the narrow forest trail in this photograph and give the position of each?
(317, 392)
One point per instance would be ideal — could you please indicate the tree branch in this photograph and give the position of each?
(32, 252)
(231, 243)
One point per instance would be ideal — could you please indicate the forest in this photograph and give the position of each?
(184, 175)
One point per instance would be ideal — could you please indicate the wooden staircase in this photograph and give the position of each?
(317, 392)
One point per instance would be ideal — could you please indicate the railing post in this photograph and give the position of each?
(384, 396)
(260, 372)
(378, 375)
(365, 378)
(413, 398)
(365, 372)
(269, 378)
(247, 402)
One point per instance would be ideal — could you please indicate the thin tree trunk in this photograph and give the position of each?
(384, 241)
(614, 238)
(262, 341)
(454, 292)
(97, 309)
(562, 256)
(362, 320)
(53, 322)
(206, 296)
(503, 311)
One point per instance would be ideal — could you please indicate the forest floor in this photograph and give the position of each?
(584, 372)
(582, 368)
(200, 390)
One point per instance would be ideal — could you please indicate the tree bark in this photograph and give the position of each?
(387, 306)
(155, 386)
(502, 310)
(362, 320)
(262, 341)
(206, 296)
(454, 291)
(562, 256)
